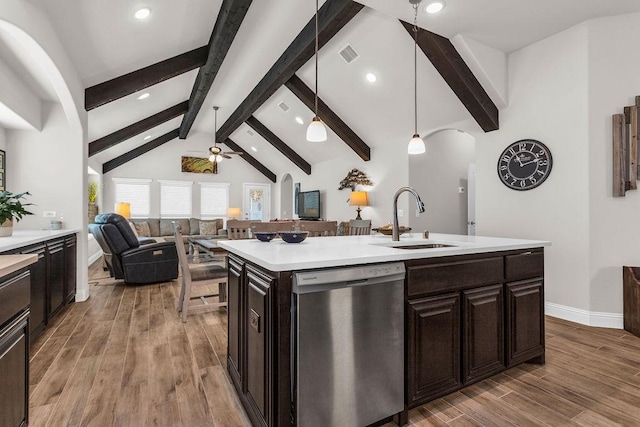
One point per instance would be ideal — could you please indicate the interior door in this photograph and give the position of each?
(256, 202)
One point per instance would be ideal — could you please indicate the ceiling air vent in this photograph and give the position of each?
(250, 132)
(284, 107)
(348, 54)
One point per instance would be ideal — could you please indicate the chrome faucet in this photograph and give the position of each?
(395, 234)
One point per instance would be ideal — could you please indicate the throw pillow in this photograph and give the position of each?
(208, 228)
(133, 228)
(143, 229)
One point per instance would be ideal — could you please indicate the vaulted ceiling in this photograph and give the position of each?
(105, 42)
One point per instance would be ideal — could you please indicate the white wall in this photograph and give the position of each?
(3, 139)
(436, 177)
(614, 81)
(164, 163)
(548, 101)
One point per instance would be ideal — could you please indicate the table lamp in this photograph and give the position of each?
(233, 213)
(359, 198)
(123, 208)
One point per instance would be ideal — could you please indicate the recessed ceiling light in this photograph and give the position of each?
(434, 6)
(299, 120)
(144, 95)
(142, 13)
(147, 137)
(371, 78)
(254, 148)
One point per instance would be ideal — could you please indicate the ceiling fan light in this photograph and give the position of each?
(215, 157)
(212, 158)
(316, 132)
(416, 145)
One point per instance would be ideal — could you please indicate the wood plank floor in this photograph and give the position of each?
(124, 358)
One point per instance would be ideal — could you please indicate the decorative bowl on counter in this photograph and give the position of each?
(388, 231)
(293, 236)
(265, 236)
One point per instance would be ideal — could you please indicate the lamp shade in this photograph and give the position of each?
(123, 208)
(234, 212)
(359, 198)
(316, 132)
(416, 145)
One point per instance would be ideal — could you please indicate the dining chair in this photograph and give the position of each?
(238, 229)
(359, 227)
(205, 276)
(319, 228)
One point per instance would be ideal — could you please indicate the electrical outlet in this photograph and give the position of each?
(461, 190)
(400, 213)
(49, 214)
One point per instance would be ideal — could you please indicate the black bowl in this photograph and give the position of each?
(293, 236)
(265, 236)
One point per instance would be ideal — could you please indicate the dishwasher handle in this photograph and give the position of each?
(322, 287)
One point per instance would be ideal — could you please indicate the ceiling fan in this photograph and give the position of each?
(216, 153)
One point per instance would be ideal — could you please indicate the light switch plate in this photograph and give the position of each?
(49, 214)
(400, 213)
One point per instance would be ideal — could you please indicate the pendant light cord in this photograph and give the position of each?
(316, 98)
(415, 69)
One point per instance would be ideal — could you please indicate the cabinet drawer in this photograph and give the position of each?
(528, 264)
(14, 296)
(452, 276)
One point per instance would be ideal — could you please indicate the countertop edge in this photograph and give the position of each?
(12, 263)
(21, 238)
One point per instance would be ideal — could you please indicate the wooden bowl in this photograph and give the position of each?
(389, 231)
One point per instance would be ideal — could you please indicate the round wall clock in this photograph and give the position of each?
(524, 164)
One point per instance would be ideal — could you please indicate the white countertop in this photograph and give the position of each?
(21, 238)
(321, 252)
(12, 263)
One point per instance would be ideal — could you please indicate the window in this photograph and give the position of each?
(214, 200)
(136, 192)
(175, 199)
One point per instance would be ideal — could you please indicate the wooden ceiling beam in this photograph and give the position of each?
(137, 152)
(231, 15)
(331, 119)
(272, 139)
(446, 59)
(250, 159)
(134, 81)
(332, 16)
(137, 128)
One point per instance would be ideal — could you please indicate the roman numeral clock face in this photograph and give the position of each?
(525, 164)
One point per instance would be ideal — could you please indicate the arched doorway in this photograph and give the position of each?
(441, 178)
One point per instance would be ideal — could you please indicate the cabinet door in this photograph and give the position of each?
(525, 322)
(70, 268)
(56, 276)
(234, 322)
(482, 332)
(433, 347)
(14, 371)
(258, 344)
(38, 304)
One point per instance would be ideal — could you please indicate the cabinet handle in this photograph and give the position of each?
(254, 320)
(526, 253)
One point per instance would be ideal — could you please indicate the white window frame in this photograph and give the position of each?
(137, 210)
(213, 215)
(188, 212)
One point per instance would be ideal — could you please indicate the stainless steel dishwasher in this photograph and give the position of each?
(348, 345)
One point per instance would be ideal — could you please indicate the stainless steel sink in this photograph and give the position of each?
(424, 246)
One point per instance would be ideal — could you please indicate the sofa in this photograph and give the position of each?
(161, 229)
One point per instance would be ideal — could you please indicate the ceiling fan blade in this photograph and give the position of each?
(224, 155)
(233, 152)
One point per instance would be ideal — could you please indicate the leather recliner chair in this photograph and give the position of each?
(126, 258)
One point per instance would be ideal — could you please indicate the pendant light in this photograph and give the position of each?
(416, 145)
(316, 132)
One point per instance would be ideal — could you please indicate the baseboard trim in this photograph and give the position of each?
(584, 317)
(82, 295)
(93, 258)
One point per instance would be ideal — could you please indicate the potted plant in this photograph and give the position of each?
(11, 208)
(93, 196)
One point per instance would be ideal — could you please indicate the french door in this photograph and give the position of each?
(256, 202)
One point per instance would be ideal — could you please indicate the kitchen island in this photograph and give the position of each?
(473, 306)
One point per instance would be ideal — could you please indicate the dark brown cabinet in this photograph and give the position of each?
(252, 361)
(53, 279)
(433, 346)
(469, 317)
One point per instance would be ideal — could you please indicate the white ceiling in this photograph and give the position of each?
(104, 41)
